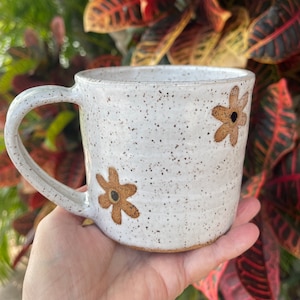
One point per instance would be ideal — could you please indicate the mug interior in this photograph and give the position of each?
(164, 74)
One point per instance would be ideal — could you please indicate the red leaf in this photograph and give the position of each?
(47, 160)
(273, 36)
(210, 12)
(209, 285)
(48, 111)
(253, 186)
(70, 169)
(150, 9)
(285, 224)
(36, 200)
(3, 111)
(25, 248)
(283, 208)
(58, 30)
(106, 60)
(231, 286)
(31, 38)
(20, 254)
(265, 76)
(256, 8)
(290, 69)
(274, 133)
(24, 81)
(284, 185)
(258, 268)
(9, 176)
(24, 223)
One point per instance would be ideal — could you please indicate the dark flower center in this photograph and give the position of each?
(114, 196)
(234, 116)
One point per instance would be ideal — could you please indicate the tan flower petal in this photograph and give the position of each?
(234, 135)
(233, 97)
(242, 119)
(127, 190)
(222, 132)
(221, 113)
(104, 201)
(102, 182)
(243, 101)
(116, 214)
(130, 209)
(113, 176)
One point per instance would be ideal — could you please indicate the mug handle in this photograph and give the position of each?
(62, 195)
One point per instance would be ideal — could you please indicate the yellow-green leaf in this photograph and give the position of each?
(18, 67)
(201, 45)
(194, 46)
(57, 126)
(233, 44)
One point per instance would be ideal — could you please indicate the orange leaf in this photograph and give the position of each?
(150, 9)
(214, 13)
(209, 285)
(104, 16)
(158, 39)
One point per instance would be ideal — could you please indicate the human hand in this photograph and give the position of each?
(69, 261)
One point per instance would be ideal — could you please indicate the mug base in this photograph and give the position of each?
(181, 249)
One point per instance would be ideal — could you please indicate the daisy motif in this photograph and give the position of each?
(232, 116)
(116, 194)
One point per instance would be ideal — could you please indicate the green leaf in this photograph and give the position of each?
(5, 269)
(190, 293)
(2, 144)
(15, 68)
(10, 208)
(57, 126)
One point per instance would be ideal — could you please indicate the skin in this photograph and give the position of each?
(69, 261)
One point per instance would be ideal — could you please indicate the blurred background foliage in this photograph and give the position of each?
(47, 42)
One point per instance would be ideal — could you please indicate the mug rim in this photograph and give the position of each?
(231, 74)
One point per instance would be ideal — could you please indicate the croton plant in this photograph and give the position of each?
(262, 36)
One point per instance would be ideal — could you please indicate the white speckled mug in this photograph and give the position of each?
(164, 149)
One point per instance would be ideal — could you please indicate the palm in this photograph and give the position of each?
(85, 264)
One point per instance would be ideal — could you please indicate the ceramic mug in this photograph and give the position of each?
(164, 149)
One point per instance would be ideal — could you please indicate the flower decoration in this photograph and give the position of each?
(232, 116)
(116, 194)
